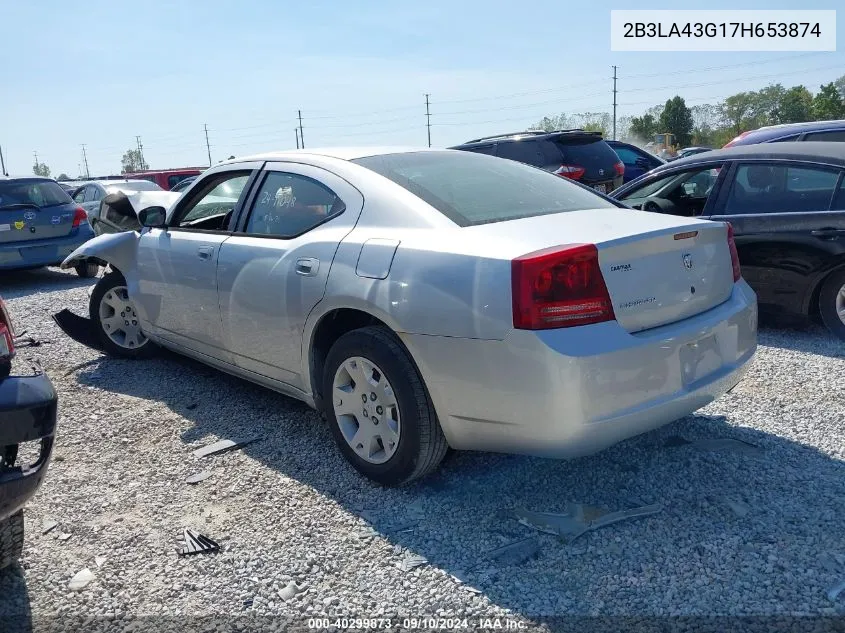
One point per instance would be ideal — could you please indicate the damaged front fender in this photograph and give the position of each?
(119, 250)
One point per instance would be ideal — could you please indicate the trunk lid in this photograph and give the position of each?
(34, 209)
(658, 268)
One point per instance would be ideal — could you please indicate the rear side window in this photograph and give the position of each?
(831, 135)
(594, 154)
(786, 139)
(482, 149)
(41, 193)
(526, 151)
(762, 188)
(472, 189)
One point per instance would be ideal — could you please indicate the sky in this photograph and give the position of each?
(101, 72)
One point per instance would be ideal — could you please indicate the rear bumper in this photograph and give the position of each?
(28, 412)
(49, 252)
(572, 392)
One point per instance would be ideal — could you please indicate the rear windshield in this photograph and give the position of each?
(41, 193)
(473, 189)
(134, 186)
(589, 154)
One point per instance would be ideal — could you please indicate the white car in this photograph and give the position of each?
(432, 298)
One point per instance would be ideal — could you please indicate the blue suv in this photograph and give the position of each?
(40, 225)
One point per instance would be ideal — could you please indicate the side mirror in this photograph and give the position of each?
(153, 217)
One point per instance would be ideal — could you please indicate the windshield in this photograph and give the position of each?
(472, 189)
(41, 193)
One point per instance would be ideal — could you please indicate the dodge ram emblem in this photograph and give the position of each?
(687, 261)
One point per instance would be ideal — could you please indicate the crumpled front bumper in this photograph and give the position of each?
(28, 412)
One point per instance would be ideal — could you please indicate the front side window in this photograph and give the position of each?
(681, 193)
(288, 205)
(92, 194)
(472, 189)
(766, 188)
(626, 155)
(215, 201)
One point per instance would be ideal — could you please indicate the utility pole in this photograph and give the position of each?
(614, 103)
(296, 131)
(141, 153)
(36, 158)
(85, 162)
(428, 119)
(2, 164)
(207, 146)
(301, 137)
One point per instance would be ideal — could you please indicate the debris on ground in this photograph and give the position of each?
(100, 560)
(740, 508)
(78, 328)
(223, 446)
(198, 477)
(412, 561)
(834, 592)
(290, 590)
(64, 537)
(80, 580)
(516, 552)
(197, 544)
(192, 406)
(365, 532)
(579, 519)
(48, 525)
(715, 444)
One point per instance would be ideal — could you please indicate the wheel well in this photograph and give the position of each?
(814, 307)
(330, 328)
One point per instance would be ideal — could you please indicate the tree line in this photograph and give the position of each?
(714, 124)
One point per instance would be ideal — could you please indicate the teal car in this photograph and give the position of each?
(40, 225)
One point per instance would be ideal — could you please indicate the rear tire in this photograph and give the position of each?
(87, 270)
(420, 446)
(11, 539)
(116, 320)
(832, 303)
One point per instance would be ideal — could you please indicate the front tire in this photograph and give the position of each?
(394, 436)
(832, 303)
(116, 320)
(11, 539)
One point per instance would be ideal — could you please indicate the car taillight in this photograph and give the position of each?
(736, 139)
(559, 287)
(734, 255)
(573, 172)
(7, 333)
(79, 216)
(620, 168)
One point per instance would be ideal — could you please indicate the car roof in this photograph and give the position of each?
(341, 153)
(111, 183)
(32, 177)
(813, 151)
(803, 125)
(532, 134)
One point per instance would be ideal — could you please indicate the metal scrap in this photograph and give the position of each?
(197, 544)
(411, 561)
(578, 519)
(198, 477)
(80, 580)
(47, 525)
(223, 446)
(516, 552)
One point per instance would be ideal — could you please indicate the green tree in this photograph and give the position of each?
(131, 161)
(706, 119)
(840, 86)
(642, 128)
(677, 119)
(796, 105)
(40, 169)
(62, 177)
(738, 111)
(828, 104)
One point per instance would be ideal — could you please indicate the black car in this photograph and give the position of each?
(786, 203)
(27, 415)
(574, 154)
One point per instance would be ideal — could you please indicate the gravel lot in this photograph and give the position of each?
(756, 533)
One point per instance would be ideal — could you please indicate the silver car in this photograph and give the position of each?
(90, 195)
(426, 299)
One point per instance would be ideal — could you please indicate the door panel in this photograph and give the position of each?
(268, 285)
(177, 266)
(783, 251)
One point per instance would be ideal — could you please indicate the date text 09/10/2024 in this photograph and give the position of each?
(417, 624)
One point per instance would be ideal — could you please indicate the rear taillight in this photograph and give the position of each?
(79, 216)
(7, 334)
(620, 168)
(573, 172)
(734, 255)
(736, 139)
(559, 287)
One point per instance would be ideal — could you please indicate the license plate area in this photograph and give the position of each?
(600, 188)
(700, 359)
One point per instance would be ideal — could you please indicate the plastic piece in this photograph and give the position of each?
(78, 328)
(80, 580)
(223, 446)
(197, 544)
(579, 519)
(198, 477)
(516, 552)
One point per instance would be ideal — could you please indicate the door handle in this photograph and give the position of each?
(828, 233)
(205, 252)
(307, 266)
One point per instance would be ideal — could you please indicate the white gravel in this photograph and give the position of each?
(292, 516)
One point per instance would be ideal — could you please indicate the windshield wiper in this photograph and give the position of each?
(19, 205)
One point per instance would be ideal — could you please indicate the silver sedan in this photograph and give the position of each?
(427, 299)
